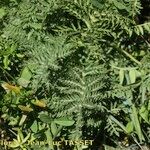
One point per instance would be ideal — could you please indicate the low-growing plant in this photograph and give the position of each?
(74, 69)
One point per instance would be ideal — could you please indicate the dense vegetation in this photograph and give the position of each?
(77, 70)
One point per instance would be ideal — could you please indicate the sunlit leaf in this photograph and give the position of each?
(9, 88)
(120, 5)
(14, 144)
(121, 75)
(49, 138)
(34, 126)
(40, 103)
(132, 75)
(25, 77)
(64, 121)
(129, 127)
(54, 129)
(26, 138)
(13, 121)
(22, 120)
(45, 118)
(25, 108)
(36, 25)
(2, 13)
(144, 113)
(136, 122)
(6, 62)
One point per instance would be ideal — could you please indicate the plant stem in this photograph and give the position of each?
(131, 57)
(8, 73)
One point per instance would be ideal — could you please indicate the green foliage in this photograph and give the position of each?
(75, 69)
